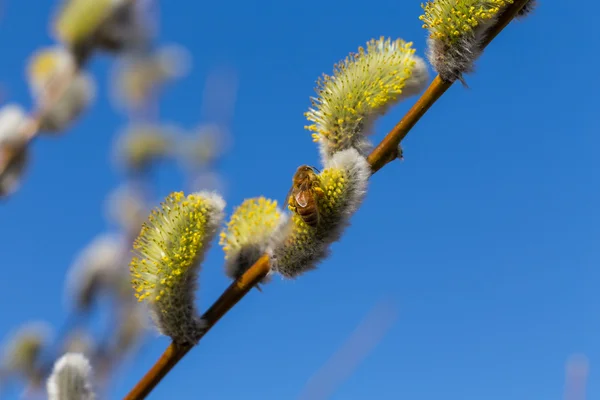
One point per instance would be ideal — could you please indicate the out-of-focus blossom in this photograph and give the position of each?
(140, 146)
(79, 341)
(110, 25)
(22, 350)
(59, 88)
(71, 379)
(12, 121)
(96, 270)
(132, 323)
(126, 207)
(141, 77)
(203, 147)
(12, 147)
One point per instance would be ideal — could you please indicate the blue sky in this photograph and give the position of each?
(484, 238)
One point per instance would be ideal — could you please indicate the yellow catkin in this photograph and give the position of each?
(362, 87)
(168, 246)
(298, 247)
(248, 232)
(167, 256)
(79, 19)
(451, 20)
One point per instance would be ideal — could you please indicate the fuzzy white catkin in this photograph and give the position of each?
(71, 379)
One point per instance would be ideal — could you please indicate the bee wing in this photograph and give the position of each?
(301, 198)
(289, 194)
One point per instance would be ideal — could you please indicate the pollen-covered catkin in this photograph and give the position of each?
(168, 253)
(456, 29)
(297, 247)
(363, 87)
(248, 233)
(71, 379)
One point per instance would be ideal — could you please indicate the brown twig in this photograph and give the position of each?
(380, 156)
(174, 352)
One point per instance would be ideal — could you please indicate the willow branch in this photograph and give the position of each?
(385, 152)
(174, 352)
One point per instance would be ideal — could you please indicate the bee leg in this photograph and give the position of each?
(317, 190)
(257, 286)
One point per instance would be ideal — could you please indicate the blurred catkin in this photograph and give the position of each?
(96, 270)
(71, 379)
(110, 25)
(46, 69)
(202, 148)
(126, 207)
(142, 75)
(79, 341)
(22, 350)
(12, 140)
(142, 145)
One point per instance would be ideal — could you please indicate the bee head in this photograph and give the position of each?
(306, 170)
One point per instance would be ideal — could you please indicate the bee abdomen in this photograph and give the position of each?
(309, 216)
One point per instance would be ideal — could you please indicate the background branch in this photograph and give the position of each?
(55, 90)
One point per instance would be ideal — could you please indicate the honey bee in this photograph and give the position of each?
(302, 196)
